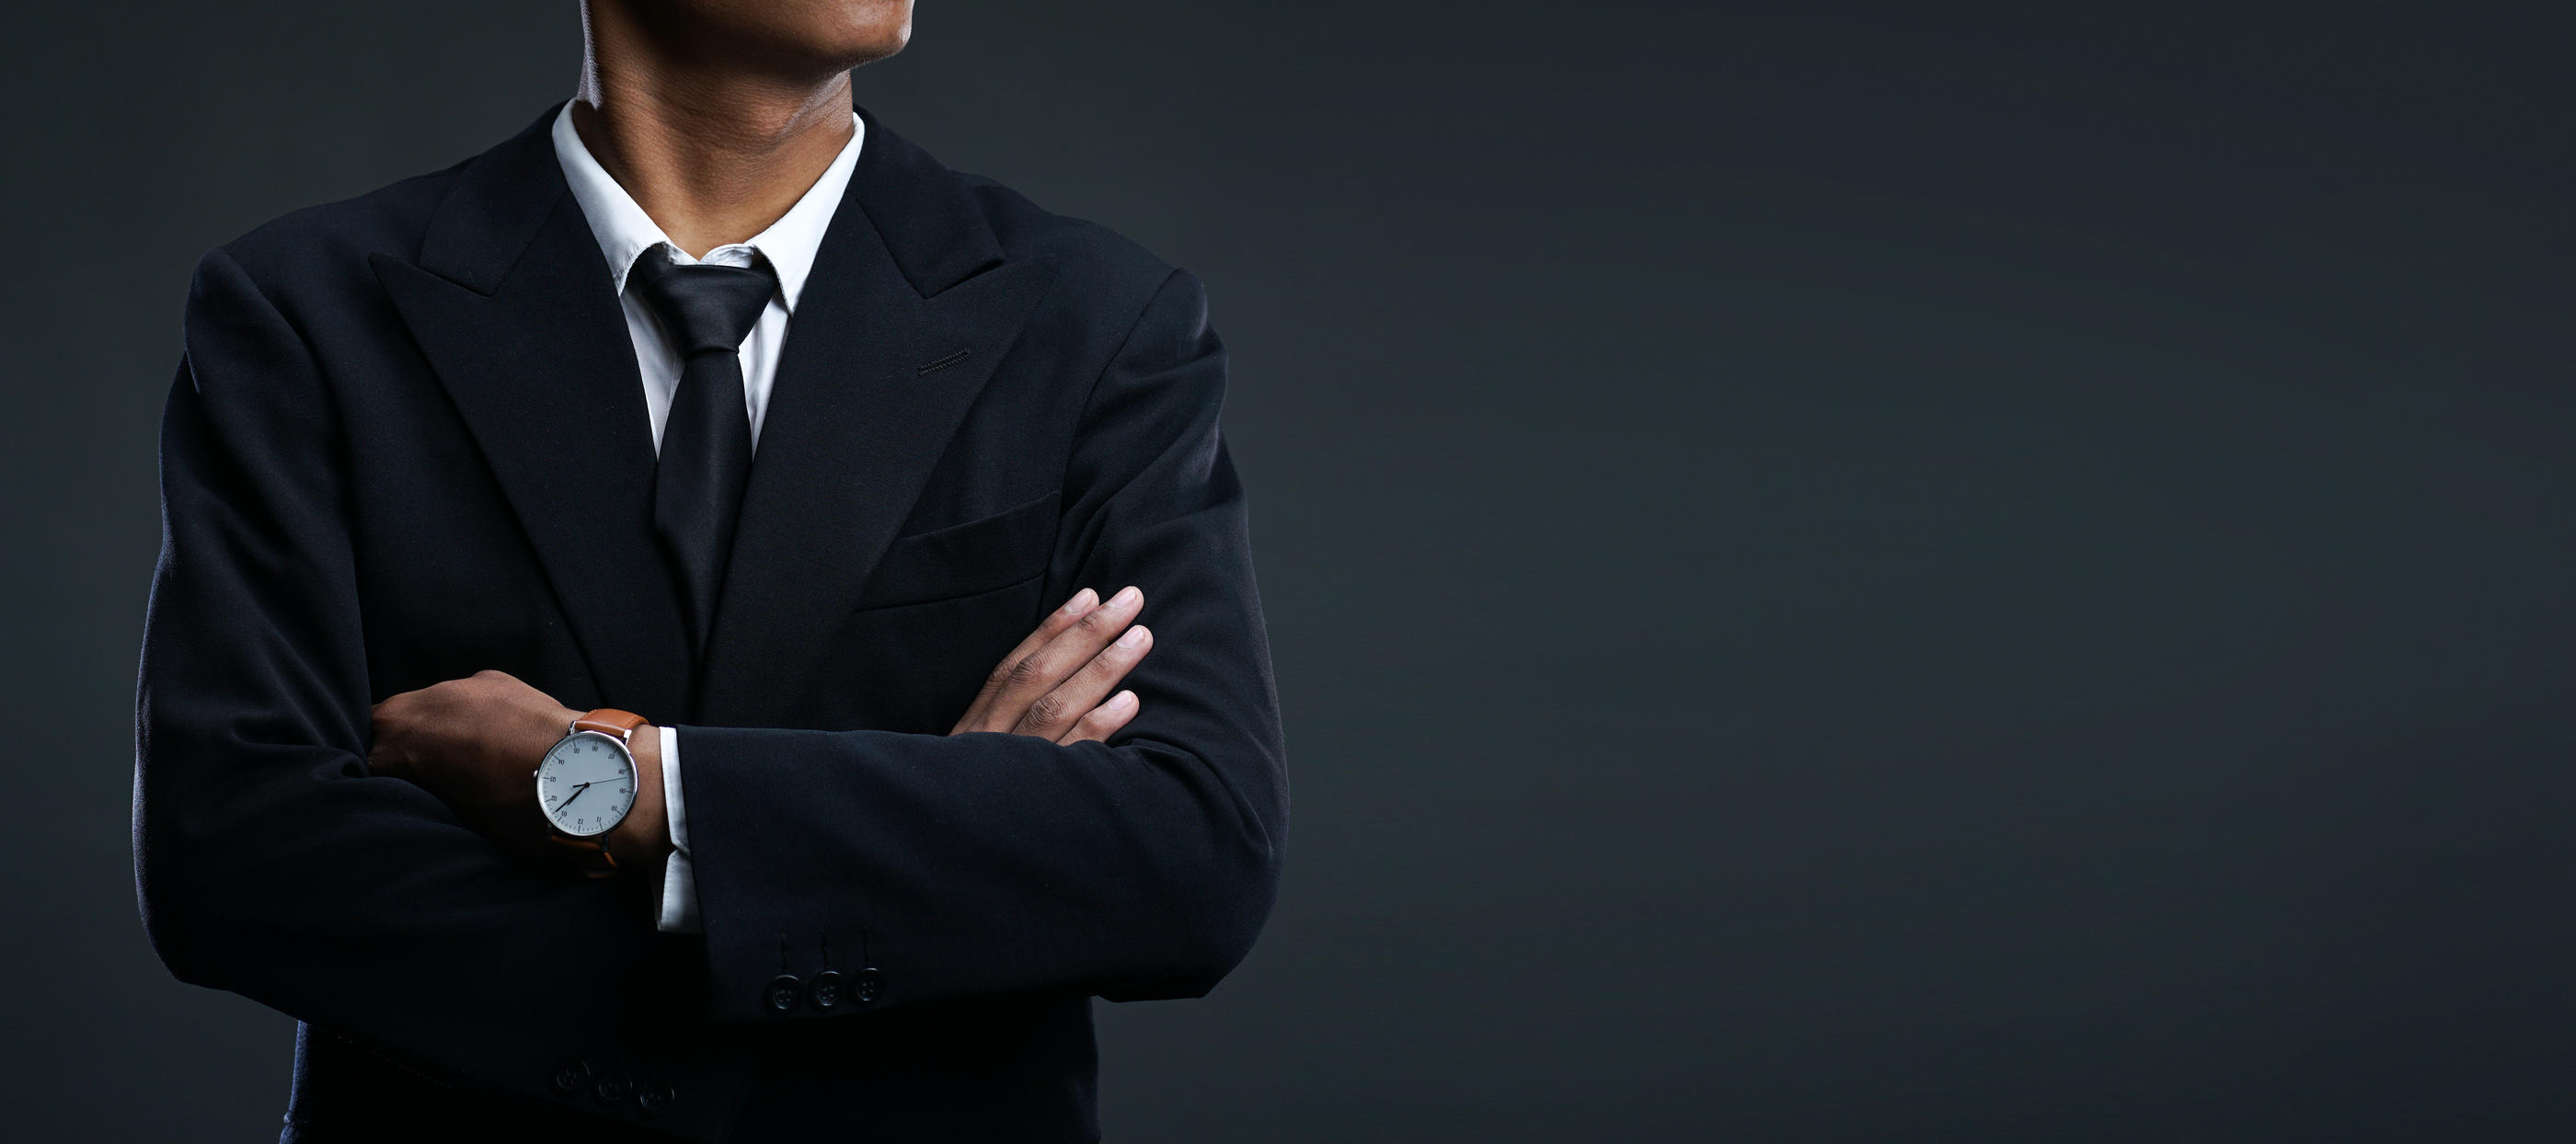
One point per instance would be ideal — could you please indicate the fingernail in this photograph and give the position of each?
(1123, 700)
(1126, 596)
(1080, 600)
(1134, 636)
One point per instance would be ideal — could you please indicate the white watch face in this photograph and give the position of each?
(586, 784)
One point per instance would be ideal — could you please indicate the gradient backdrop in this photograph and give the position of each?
(1972, 572)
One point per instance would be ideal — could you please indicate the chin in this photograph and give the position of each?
(838, 34)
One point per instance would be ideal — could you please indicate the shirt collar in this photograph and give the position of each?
(625, 232)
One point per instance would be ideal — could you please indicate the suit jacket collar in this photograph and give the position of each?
(924, 213)
(499, 205)
(512, 304)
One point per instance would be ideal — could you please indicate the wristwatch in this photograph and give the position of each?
(586, 785)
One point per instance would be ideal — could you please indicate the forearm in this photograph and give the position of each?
(273, 865)
(976, 864)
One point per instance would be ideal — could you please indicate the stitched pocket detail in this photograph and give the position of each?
(978, 556)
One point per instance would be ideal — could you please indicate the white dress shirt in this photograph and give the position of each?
(626, 233)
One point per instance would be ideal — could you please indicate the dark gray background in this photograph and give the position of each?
(1839, 573)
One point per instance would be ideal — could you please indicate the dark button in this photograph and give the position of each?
(571, 1076)
(783, 993)
(866, 984)
(614, 1088)
(654, 1098)
(826, 991)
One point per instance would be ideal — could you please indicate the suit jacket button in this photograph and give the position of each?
(826, 990)
(783, 993)
(654, 1098)
(866, 984)
(571, 1076)
(614, 1087)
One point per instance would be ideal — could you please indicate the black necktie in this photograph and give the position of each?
(706, 443)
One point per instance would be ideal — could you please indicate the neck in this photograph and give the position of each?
(714, 145)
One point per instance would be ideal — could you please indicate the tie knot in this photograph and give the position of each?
(703, 307)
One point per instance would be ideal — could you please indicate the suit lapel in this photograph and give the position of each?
(511, 303)
(907, 278)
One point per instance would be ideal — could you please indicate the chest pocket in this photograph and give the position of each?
(964, 559)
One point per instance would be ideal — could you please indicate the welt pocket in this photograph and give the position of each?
(964, 559)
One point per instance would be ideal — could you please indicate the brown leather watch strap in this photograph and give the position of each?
(590, 854)
(609, 721)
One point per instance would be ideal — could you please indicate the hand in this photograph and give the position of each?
(476, 743)
(1053, 685)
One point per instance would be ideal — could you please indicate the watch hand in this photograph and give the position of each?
(576, 793)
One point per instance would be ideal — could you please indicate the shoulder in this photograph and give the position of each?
(1107, 285)
(319, 253)
(318, 246)
(262, 308)
(945, 227)
(941, 221)
(1124, 300)
(1086, 250)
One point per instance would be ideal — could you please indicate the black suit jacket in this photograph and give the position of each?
(408, 442)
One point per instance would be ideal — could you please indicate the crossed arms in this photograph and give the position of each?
(1099, 844)
(471, 741)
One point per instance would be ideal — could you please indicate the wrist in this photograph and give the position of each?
(642, 840)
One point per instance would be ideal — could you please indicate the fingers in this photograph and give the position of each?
(1082, 604)
(1104, 720)
(388, 726)
(1030, 684)
(1052, 715)
(1025, 680)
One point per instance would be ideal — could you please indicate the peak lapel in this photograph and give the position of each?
(511, 304)
(855, 423)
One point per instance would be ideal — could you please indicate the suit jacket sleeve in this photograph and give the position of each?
(268, 861)
(985, 863)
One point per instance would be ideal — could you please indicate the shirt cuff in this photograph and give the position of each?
(679, 879)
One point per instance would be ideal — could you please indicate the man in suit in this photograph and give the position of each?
(571, 683)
